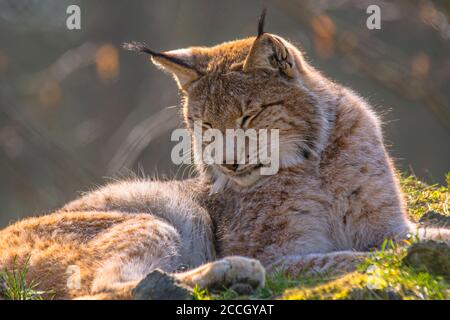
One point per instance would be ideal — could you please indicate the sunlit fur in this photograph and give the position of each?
(225, 95)
(335, 197)
(116, 235)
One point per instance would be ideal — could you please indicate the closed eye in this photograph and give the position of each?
(207, 125)
(248, 118)
(244, 120)
(272, 104)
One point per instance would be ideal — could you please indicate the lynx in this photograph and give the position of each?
(334, 198)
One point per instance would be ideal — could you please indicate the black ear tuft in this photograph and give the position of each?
(139, 47)
(262, 20)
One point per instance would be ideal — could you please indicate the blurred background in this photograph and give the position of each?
(77, 111)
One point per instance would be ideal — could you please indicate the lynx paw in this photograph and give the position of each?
(230, 272)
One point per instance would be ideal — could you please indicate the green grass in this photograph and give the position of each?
(14, 284)
(276, 284)
(387, 272)
(383, 276)
(422, 197)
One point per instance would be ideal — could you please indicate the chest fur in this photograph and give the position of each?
(292, 219)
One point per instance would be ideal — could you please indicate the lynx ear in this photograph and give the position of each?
(179, 62)
(270, 52)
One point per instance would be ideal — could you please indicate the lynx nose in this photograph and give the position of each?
(232, 167)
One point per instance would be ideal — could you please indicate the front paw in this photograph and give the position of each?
(244, 275)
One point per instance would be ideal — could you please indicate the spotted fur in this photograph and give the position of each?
(335, 197)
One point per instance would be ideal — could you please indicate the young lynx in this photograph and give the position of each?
(334, 197)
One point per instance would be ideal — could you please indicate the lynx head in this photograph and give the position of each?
(257, 83)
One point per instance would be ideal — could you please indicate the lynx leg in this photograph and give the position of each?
(424, 233)
(235, 272)
(118, 291)
(440, 234)
(241, 274)
(347, 261)
(319, 263)
(132, 250)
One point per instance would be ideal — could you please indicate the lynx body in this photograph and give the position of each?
(335, 197)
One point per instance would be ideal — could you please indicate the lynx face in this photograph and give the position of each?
(254, 83)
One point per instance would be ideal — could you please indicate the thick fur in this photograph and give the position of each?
(335, 197)
(118, 234)
(336, 194)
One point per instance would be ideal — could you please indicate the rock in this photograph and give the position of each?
(430, 256)
(242, 288)
(434, 219)
(159, 285)
(373, 294)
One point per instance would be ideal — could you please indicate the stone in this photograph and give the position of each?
(430, 256)
(159, 285)
(434, 219)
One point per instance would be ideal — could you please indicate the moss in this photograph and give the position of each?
(395, 272)
(389, 272)
(407, 272)
(341, 288)
(421, 197)
(412, 271)
(430, 256)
